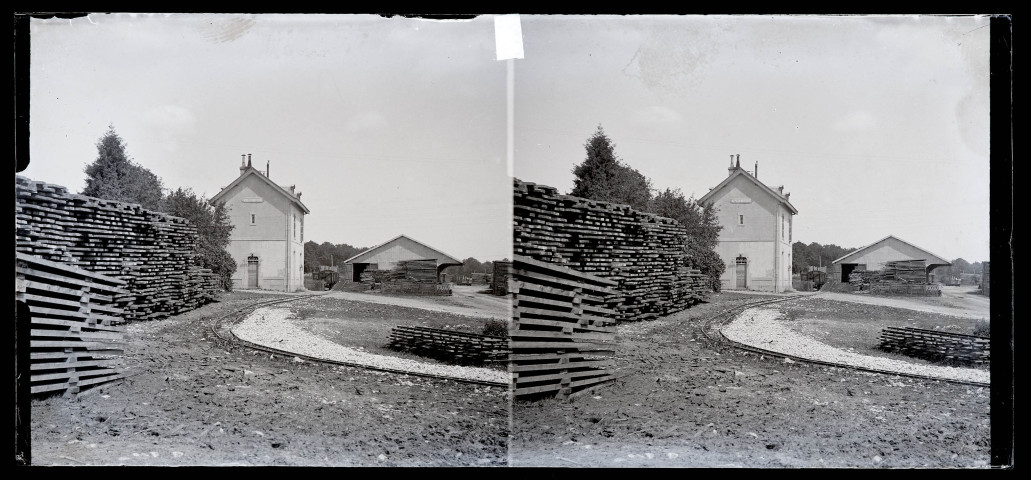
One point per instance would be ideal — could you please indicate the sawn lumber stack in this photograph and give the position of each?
(76, 328)
(562, 332)
(936, 345)
(644, 254)
(897, 277)
(153, 253)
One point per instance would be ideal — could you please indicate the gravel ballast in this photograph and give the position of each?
(758, 327)
(272, 327)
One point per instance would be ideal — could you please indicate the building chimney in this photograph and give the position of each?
(756, 174)
(780, 189)
(738, 161)
(248, 160)
(292, 187)
(266, 168)
(787, 196)
(243, 163)
(730, 171)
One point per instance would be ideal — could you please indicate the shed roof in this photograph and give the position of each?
(442, 259)
(931, 259)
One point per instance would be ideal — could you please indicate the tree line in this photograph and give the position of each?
(605, 177)
(469, 267)
(115, 176)
(327, 254)
(815, 255)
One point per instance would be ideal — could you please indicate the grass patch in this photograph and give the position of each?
(857, 327)
(366, 326)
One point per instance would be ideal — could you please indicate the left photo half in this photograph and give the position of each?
(263, 240)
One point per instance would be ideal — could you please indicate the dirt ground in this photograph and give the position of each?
(682, 403)
(191, 400)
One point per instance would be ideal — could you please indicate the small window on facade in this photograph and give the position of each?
(783, 228)
(252, 219)
(295, 226)
(740, 219)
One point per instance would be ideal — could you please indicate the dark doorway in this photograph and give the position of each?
(846, 269)
(356, 272)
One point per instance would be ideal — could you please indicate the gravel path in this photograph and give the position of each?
(271, 327)
(758, 327)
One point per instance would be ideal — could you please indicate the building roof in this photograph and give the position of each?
(740, 172)
(931, 259)
(443, 259)
(251, 171)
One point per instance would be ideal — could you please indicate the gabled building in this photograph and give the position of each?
(755, 242)
(876, 254)
(386, 255)
(267, 241)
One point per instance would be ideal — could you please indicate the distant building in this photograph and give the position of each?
(267, 241)
(755, 242)
(876, 254)
(386, 255)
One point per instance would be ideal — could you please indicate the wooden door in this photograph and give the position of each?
(742, 273)
(252, 272)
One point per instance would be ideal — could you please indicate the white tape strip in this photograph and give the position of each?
(508, 37)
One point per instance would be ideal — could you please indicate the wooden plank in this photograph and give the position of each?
(31, 260)
(557, 366)
(78, 364)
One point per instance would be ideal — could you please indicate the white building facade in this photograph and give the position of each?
(267, 241)
(755, 242)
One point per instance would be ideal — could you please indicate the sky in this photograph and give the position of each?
(877, 125)
(387, 126)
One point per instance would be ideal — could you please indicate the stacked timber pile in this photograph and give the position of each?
(153, 253)
(77, 327)
(371, 278)
(413, 277)
(448, 345)
(937, 346)
(986, 279)
(643, 253)
(906, 271)
(413, 271)
(898, 277)
(500, 277)
(562, 332)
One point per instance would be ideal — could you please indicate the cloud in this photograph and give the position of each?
(856, 120)
(657, 115)
(366, 122)
(170, 125)
(173, 120)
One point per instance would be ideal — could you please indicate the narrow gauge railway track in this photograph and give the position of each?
(712, 329)
(222, 328)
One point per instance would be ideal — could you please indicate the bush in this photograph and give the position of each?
(982, 328)
(496, 328)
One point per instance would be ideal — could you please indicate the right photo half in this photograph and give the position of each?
(750, 241)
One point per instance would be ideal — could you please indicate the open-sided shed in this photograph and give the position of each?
(386, 255)
(875, 255)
